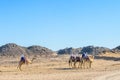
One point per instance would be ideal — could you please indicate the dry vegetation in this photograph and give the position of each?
(106, 67)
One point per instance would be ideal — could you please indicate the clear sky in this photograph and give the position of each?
(57, 24)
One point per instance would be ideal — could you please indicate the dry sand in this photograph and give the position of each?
(106, 67)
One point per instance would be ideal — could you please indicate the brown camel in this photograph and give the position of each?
(79, 60)
(87, 62)
(75, 60)
(27, 61)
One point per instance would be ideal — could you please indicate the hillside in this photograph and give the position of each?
(88, 49)
(69, 50)
(12, 49)
(116, 49)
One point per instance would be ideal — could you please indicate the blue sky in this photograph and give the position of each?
(57, 24)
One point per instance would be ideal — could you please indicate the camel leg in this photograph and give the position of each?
(20, 64)
(75, 64)
(70, 64)
(19, 67)
(80, 64)
(84, 64)
(90, 64)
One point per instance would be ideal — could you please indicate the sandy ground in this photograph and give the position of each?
(104, 67)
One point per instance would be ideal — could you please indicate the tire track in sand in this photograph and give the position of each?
(113, 75)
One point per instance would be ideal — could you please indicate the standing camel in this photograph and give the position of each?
(74, 60)
(79, 60)
(26, 61)
(87, 62)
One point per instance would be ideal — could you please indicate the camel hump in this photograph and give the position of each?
(28, 60)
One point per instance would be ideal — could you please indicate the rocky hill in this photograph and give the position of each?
(95, 50)
(12, 49)
(38, 50)
(69, 51)
(117, 49)
(88, 49)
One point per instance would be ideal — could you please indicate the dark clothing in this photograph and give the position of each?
(84, 55)
(23, 59)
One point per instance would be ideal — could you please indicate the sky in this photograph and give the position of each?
(57, 24)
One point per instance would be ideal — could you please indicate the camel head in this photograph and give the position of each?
(91, 58)
(28, 61)
(33, 59)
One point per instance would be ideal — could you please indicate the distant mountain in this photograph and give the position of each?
(116, 49)
(69, 50)
(94, 50)
(12, 49)
(39, 50)
(88, 49)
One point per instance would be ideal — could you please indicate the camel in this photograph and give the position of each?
(75, 60)
(27, 61)
(72, 59)
(88, 61)
(79, 60)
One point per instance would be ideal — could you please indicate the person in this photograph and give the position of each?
(23, 58)
(84, 55)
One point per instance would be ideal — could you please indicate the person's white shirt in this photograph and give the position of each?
(22, 55)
